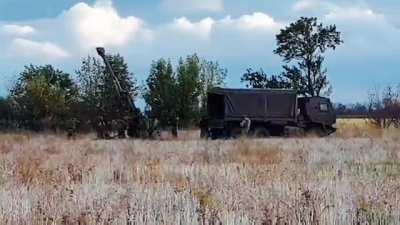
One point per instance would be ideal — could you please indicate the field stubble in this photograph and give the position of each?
(46, 179)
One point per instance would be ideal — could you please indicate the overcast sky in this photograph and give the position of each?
(239, 34)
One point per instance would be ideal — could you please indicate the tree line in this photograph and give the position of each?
(44, 97)
(382, 108)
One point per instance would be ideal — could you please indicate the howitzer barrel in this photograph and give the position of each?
(121, 92)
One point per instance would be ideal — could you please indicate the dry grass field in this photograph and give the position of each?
(352, 177)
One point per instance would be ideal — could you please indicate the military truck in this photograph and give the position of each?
(265, 112)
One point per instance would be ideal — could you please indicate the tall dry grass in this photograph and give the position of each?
(46, 179)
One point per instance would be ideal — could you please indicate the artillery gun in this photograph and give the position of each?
(132, 126)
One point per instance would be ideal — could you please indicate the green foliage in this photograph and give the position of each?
(179, 97)
(188, 90)
(6, 113)
(211, 75)
(90, 77)
(43, 96)
(47, 98)
(113, 105)
(3, 107)
(98, 94)
(160, 94)
(303, 43)
(259, 79)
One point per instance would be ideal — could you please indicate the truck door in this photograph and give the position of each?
(320, 110)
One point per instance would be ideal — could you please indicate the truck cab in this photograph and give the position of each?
(316, 112)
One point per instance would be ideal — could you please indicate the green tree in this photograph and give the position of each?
(303, 44)
(114, 105)
(6, 113)
(90, 77)
(160, 93)
(43, 96)
(98, 94)
(211, 75)
(189, 91)
(259, 79)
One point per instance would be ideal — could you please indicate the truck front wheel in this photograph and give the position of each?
(318, 131)
(261, 132)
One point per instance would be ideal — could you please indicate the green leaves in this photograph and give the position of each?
(173, 97)
(188, 88)
(98, 94)
(302, 45)
(114, 106)
(259, 79)
(160, 94)
(177, 98)
(211, 75)
(43, 92)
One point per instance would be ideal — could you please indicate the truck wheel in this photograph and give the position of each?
(318, 132)
(236, 133)
(261, 132)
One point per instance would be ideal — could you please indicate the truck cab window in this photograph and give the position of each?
(323, 107)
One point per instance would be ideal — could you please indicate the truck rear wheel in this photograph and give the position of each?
(261, 132)
(236, 133)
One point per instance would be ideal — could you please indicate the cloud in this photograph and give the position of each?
(193, 5)
(201, 29)
(256, 21)
(312, 5)
(84, 26)
(362, 26)
(17, 30)
(78, 29)
(337, 11)
(100, 24)
(354, 13)
(235, 41)
(27, 48)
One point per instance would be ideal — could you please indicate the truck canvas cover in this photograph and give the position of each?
(253, 103)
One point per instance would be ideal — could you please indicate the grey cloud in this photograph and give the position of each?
(193, 5)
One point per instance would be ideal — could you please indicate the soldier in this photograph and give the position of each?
(174, 127)
(133, 126)
(204, 128)
(245, 125)
(72, 125)
(121, 126)
(152, 127)
(101, 128)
